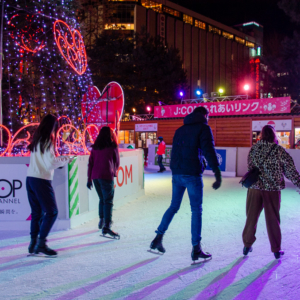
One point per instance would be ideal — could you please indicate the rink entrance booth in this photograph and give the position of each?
(76, 204)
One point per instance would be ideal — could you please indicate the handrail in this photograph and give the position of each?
(142, 117)
(215, 99)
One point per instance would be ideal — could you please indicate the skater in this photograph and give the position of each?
(161, 154)
(104, 162)
(273, 162)
(192, 142)
(38, 184)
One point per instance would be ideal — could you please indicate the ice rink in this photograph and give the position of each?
(89, 266)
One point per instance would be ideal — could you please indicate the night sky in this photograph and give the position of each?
(232, 12)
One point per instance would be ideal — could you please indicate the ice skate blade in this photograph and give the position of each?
(110, 237)
(196, 262)
(157, 253)
(42, 255)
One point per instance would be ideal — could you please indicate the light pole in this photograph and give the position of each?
(148, 109)
(221, 91)
(181, 95)
(246, 88)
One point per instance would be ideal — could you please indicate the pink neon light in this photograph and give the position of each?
(71, 46)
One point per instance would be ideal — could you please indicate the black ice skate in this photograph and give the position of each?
(31, 246)
(246, 250)
(101, 223)
(106, 230)
(156, 244)
(41, 247)
(198, 253)
(278, 254)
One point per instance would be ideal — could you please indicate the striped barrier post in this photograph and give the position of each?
(73, 188)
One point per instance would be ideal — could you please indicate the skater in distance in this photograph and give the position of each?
(38, 184)
(274, 163)
(191, 143)
(103, 165)
(161, 154)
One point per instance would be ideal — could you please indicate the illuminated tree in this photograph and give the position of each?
(43, 71)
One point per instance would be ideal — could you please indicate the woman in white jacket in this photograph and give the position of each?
(38, 184)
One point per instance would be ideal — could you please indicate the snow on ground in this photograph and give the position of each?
(92, 267)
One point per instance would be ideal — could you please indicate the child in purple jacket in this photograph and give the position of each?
(104, 162)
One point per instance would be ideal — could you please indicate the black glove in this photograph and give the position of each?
(89, 185)
(218, 181)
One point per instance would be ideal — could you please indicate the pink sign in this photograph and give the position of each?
(228, 108)
(146, 127)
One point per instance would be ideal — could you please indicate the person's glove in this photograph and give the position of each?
(164, 156)
(89, 185)
(218, 181)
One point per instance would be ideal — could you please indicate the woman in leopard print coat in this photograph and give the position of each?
(274, 163)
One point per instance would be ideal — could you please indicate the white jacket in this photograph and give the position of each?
(42, 165)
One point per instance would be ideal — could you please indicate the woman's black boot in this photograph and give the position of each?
(101, 223)
(106, 230)
(32, 245)
(43, 248)
(157, 243)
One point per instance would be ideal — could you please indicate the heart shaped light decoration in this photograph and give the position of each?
(103, 109)
(71, 46)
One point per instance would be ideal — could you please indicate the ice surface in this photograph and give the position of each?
(92, 267)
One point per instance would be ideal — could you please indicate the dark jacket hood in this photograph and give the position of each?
(194, 118)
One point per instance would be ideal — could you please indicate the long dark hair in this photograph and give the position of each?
(105, 139)
(44, 134)
(268, 134)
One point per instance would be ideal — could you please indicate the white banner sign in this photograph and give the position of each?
(279, 125)
(13, 195)
(146, 127)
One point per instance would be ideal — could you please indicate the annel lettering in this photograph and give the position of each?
(14, 201)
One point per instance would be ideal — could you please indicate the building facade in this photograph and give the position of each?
(214, 55)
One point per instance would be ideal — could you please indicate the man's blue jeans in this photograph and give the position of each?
(194, 186)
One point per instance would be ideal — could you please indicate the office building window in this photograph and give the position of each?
(227, 35)
(239, 40)
(119, 26)
(121, 14)
(200, 24)
(187, 19)
(171, 11)
(152, 5)
(214, 29)
(250, 44)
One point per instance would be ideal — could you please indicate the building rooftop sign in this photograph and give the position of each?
(228, 108)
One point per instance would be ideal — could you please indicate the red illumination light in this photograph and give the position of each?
(29, 35)
(71, 46)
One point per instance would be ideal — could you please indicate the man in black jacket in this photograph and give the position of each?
(191, 144)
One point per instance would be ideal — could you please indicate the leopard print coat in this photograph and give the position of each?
(277, 165)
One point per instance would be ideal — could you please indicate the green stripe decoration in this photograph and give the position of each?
(73, 188)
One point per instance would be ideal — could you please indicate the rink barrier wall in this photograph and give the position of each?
(235, 158)
(226, 157)
(129, 185)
